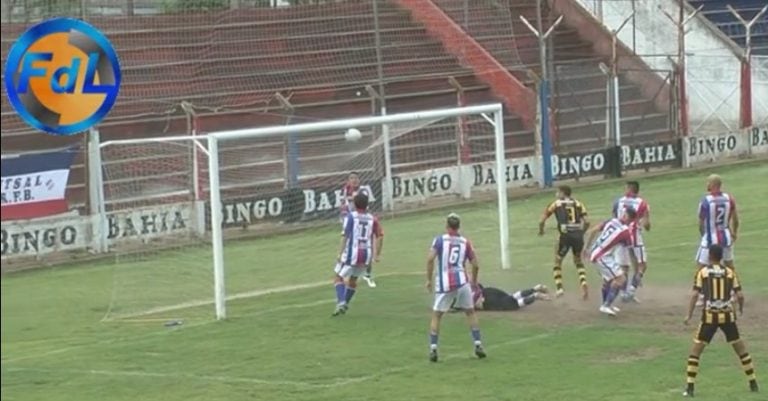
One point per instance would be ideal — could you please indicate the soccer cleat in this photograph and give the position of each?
(433, 355)
(340, 310)
(541, 288)
(688, 390)
(560, 292)
(369, 281)
(615, 309)
(607, 310)
(479, 351)
(753, 387)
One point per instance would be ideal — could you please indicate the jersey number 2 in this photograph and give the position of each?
(720, 215)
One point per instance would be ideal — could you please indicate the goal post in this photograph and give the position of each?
(170, 209)
(491, 113)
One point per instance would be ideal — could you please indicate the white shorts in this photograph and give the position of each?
(347, 271)
(462, 296)
(702, 255)
(623, 255)
(608, 267)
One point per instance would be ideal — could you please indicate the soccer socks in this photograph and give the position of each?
(432, 341)
(557, 274)
(692, 370)
(637, 280)
(610, 296)
(749, 368)
(476, 336)
(348, 294)
(524, 293)
(340, 290)
(606, 288)
(368, 271)
(582, 272)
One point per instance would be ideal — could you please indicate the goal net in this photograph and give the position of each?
(277, 195)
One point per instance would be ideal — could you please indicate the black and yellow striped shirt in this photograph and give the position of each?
(717, 283)
(569, 213)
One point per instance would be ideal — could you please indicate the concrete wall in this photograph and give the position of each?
(713, 65)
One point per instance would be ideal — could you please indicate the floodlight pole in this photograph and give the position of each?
(680, 22)
(544, 142)
(746, 72)
(614, 122)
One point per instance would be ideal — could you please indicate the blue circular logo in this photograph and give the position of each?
(62, 76)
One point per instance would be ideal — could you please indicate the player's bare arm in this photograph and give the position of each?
(543, 220)
(475, 271)
(646, 221)
(342, 245)
(734, 224)
(379, 244)
(691, 305)
(430, 269)
(590, 236)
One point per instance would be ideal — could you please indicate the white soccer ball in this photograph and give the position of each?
(353, 135)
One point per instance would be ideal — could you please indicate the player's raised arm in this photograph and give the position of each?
(547, 212)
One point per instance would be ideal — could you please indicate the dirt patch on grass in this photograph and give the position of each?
(662, 310)
(643, 354)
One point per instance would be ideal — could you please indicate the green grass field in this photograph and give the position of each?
(285, 346)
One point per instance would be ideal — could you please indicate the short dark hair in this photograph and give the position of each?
(634, 186)
(565, 189)
(353, 173)
(715, 252)
(361, 200)
(630, 212)
(453, 221)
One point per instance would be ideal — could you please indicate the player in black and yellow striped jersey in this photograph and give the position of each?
(718, 284)
(571, 216)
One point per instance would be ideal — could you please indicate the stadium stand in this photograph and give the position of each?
(718, 13)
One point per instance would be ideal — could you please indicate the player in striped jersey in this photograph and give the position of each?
(718, 222)
(361, 245)
(348, 192)
(635, 253)
(448, 255)
(603, 242)
(717, 283)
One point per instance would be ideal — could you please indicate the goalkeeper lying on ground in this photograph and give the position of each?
(494, 299)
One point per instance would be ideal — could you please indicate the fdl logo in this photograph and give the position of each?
(62, 76)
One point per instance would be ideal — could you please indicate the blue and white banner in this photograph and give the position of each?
(34, 185)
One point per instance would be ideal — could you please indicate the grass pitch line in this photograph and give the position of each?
(197, 324)
(238, 296)
(339, 382)
(398, 369)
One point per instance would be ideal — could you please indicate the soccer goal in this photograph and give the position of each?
(256, 212)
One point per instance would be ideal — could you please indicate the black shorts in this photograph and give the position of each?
(570, 241)
(707, 331)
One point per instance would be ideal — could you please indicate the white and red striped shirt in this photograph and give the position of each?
(640, 205)
(614, 233)
(360, 231)
(715, 210)
(453, 251)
